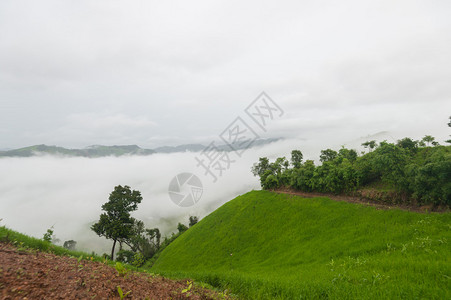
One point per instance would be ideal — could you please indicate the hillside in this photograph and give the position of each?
(268, 245)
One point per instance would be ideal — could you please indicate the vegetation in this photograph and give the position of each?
(48, 236)
(264, 245)
(414, 173)
(116, 223)
(449, 125)
(25, 242)
(70, 244)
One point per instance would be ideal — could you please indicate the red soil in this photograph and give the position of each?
(30, 274)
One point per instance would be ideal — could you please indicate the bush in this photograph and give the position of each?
(125, 256)
(271, 182)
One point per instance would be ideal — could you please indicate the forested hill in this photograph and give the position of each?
(407, 172)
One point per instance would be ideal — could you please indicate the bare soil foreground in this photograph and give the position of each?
(366, 201)
(30, 274)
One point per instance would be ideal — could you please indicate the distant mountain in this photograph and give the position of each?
(92, 151)
(101, 151)
(181, 148)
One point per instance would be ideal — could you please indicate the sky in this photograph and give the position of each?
(154, 73)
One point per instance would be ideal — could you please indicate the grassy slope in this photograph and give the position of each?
(24, 241)
(267, 245)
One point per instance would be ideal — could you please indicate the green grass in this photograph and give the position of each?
(26, 243)
(264, 245)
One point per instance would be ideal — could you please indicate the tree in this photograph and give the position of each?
(271, 182)
(70, 244)
(327, 155)
(193, 220)
(349, 154)
(296, 158)
(449, 125)
(116, 223)
(48, 235)
(181, 227)
(428, 139)
(370, 144)
(260, 168)
(144, 241)
(408, 144)
(279, 164)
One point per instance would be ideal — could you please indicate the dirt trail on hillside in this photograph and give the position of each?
(360, 200)
(30, 274)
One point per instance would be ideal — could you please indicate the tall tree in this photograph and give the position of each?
(116, 223)
(428, 139)
(260, 167)
(449, 125)
(408, 144)
(144, 241)
(193, 220)
(327, 155)
(296, 158)
(370, 144)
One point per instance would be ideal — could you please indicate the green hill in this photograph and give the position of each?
(268, 245)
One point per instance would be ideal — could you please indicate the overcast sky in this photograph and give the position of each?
(152, 73)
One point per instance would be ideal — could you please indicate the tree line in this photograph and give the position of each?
(419, 170)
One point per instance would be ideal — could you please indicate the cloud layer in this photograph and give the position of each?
(175, 72)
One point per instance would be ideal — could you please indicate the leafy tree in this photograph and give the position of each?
(301, 178)
(261, 167)
(349, 154)
(48, 235)
(276, 167)
(125, 256)
(431, 181)
(408, 144)
(116, 223)
(428, 139)
(271, 182)
(144, 241)
(296, 158)
(181, 227)
(193, 220)
(449, 125)
(389, 161)
(328, 155)
(70, 244)
(370, 145)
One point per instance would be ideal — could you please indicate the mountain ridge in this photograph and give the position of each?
(114, 150)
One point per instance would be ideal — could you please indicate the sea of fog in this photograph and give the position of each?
(67, 192)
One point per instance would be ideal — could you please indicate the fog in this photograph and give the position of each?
(67, 192)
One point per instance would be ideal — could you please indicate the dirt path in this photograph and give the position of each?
(29, 274)
(360, 200)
